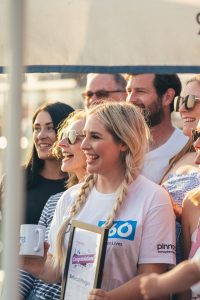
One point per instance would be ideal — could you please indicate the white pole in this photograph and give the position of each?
(14, 192)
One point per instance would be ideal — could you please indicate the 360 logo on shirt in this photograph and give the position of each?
(121, 229)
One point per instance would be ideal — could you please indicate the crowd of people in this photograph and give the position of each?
(119, 162)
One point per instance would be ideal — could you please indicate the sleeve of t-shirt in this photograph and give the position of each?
(158, 236)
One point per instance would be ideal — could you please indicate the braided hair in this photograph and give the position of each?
(126, 124)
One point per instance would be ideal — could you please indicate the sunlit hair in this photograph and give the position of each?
(195, 78)
(73, 117)
(188, 148)
(126, 124)
(194, 196)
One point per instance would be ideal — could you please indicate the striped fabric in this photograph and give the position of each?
(27, 283)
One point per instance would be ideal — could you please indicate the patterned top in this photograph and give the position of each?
(179, 184)
(27, 282)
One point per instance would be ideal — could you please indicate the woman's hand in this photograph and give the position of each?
(98, 294)
(34, 265)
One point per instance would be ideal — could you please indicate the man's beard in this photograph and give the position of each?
(154, 113)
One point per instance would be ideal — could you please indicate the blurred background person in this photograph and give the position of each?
(102, 86)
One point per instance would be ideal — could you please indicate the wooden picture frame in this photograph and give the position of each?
(84, 261)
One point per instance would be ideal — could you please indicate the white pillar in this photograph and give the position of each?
(14, 192)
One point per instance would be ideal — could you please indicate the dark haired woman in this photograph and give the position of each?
(43, 171)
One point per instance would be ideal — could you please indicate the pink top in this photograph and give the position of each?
(195, 238)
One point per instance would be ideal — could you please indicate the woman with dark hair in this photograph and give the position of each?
(43, 170)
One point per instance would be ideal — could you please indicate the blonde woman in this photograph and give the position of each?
(191, 213)
(115, 195)
(187, 273)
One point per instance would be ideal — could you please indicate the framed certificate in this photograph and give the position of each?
(84, 261)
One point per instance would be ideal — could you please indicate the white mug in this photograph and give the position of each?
(32, 239)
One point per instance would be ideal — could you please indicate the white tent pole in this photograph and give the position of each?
(14, 192)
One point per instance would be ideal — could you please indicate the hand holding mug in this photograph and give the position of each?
(32, 239)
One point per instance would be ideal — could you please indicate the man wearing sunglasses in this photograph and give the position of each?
(154, 94)
(104, 86)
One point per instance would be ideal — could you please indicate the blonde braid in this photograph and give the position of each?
(122, 194)
(59, 256)
(85, 189)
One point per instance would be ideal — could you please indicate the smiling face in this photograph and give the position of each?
(101, 151)
(141, 92)
(44, 135)
(190, 117)
(74, 160)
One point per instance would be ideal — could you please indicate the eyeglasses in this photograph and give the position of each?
(189, 102)
(195, 135)
(99, 94)
(71, 136)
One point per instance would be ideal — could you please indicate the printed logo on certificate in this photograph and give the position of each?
(85, 260)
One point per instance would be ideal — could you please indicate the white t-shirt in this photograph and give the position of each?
(157, 160)
(143, 232)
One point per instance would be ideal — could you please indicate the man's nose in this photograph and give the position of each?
(132, 98)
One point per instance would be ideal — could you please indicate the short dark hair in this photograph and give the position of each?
(120, 80)
(163, 82)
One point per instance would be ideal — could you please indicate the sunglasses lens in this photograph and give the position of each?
(63, 135)
(72, 137)
(177, 101)
(102, 94)
(189, 101)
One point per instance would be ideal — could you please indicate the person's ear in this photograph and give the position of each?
(168, 97)
(123, 147)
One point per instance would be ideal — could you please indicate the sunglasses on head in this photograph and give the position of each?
(99, 94)
(189, 102)
(71, 136)
(195, 135)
